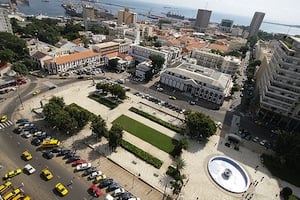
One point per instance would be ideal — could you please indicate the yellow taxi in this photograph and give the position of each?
(90, 78)
(35, 92)
(12, 173)
(99, 178)
(61, 189)
(26, 155)
(12, 194)
(3, 118)
(172, 97)
(21, 197)
(5, 186)
(47, 174)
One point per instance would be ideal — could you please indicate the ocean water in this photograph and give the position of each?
(53, 8)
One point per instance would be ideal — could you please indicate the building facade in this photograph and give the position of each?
(142, 68)
(226, 25)
(202, 20)
(5, 25)
(256, 23)
(226, 64)
(73, 61)
(278, 83)
(126, 17)
(199, 82)
(106, 47)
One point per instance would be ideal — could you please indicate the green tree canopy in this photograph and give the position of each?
(6, 55)
(181, 144)
(20, 68)
(113, 63)
(98, 29)
(115, 136)
(199, 125)
(98, 127)
(13, 43)
(157, 62)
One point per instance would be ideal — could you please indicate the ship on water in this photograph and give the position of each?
(73, 10)
(174, 15)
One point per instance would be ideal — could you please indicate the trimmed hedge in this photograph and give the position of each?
(103, 101)
(156, 119)
(142, 154)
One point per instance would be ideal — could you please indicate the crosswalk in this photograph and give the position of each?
(5, 124)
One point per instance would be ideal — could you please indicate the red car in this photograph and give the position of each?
(78, 162)
(95, 191)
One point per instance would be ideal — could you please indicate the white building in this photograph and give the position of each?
(198, 81)
(142, 54)
(228, 64)
(278, 83)
(73, 61)
(124, 45)
(133, 35)
(142, 68)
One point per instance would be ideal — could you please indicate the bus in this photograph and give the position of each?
(50, 143)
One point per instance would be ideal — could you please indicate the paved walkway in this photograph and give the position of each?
(198, 183)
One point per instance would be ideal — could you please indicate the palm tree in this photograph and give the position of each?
(179, 163)
(181, 144)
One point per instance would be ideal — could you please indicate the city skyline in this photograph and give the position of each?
(276, 11)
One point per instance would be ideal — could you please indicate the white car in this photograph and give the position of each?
(95, 174)
(29, 168)
(83, 166)
(26, 134)
(119, 191)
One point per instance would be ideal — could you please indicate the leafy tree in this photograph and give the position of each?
(98, 29)
(15, 44)
(115, 136)
(118, 91)
(286, 192)
(30, 64)
(71, 31)
(217, 51)
(58, 101)
(98, 127)
(113, 63)
(6, 55)
(20, 68)
(103, 86)
(179, 163)
(81, 116)
(157, 44)
(181, 144)
(157, 62)
(199, 125)
(176, 186)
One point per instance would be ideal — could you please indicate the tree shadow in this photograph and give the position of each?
(98, 151)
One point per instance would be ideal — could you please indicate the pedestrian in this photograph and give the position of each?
(262, 178)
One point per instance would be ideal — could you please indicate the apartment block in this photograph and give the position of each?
(126, 17)
(278, 82)
(5, 25)
(106, 47)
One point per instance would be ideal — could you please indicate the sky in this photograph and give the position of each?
(280, 11)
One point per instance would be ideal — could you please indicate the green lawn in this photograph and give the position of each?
(146, 133)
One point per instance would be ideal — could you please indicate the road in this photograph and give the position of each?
(12, 146)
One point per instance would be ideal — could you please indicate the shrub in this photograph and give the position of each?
(103, 101)
(142, 154)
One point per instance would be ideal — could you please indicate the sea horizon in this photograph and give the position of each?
(53, 8)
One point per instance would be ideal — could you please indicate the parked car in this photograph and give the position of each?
(56, 149)
(89, 171)
(98, 179)
(192, 102)
(13, 173)
(77, 162)
(125, 196)
(106, 182)
(26, 134)
(73, 158)
(119, 191)
(64, 152)
(95, 191)
(48, 155)
(70, 154)
(255, 139)
(94, 175)
(83, 166)
(172, 97)
(22, 120)
(113, 187)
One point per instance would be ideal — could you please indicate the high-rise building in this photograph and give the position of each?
(202, 19)
(126, 17)
(5, 25)
(226, 25)
(88, 12)
(278, 83)
(255, 23)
